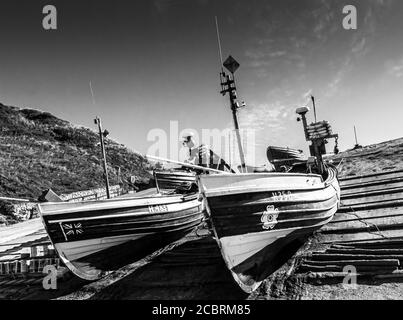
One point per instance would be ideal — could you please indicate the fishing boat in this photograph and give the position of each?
(95, 237)
(169, 181)
(284, 158)
(184, 179)
(255, 216)
(281, 153)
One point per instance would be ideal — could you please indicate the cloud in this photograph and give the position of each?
(359, 46)
(263, 116)
(395, 68)
(335, 83)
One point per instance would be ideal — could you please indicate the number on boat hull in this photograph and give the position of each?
(158, 208)
(282, 196)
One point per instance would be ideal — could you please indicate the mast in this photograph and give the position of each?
(228, 86)
(103, 134)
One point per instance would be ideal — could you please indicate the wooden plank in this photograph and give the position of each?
(375, 252)
(374, 205)
(8, 248)
(350, 256)
(372, 199)
(359, 236)
(373, 187)
(20, 230)
(392, 222)
(373, 183)
(374, 176)
(373, 193)
(335, 268)
(143, 193)
(368, 214)
(373, 244)
(355, 262)
(394, 275)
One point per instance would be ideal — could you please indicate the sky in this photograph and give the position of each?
(152, 62)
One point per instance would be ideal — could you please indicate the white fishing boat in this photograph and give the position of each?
(254, 216)
(95, 237)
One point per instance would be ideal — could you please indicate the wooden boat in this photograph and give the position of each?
(284, 158)
(281, 153)
(94, 237)
(180, 180)
(255, 216)
(169, 181)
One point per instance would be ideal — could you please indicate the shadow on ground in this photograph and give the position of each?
(193, 270)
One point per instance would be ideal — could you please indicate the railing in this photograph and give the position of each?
(97, 194)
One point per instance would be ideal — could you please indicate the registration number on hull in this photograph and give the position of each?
(282, 196)
(158, 208)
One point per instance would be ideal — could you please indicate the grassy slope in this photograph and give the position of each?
(39, 151)
(385, 156)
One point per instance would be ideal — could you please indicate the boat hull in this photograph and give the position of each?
(255, 216)
(95, 237)
(281, 153)
(171, 180)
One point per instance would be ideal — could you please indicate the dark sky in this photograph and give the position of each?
(155, 61)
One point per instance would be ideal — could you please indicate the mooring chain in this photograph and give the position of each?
(368, 224)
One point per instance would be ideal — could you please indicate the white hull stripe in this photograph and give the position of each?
(171, 209)
(54, 208)
(78, 249)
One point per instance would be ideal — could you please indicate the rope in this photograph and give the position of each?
(341, 162)
(203, 225)
(368, 224)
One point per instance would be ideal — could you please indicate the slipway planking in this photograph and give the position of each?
(367, 231)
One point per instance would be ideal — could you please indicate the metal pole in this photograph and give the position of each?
(101, 137)
(314, 107)
(355, 134)
(184, 164)
(232, 96)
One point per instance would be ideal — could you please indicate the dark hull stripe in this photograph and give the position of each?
(225, 230)
(285, 209)
(96, 230)
(139, 220)
(261, 198)
(240, 219)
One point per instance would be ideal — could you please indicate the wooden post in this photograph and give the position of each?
(105, 166)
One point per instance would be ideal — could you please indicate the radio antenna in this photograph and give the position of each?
(92, 94)
(314, 107)
(219, 44)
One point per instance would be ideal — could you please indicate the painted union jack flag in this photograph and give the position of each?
(73, 229)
